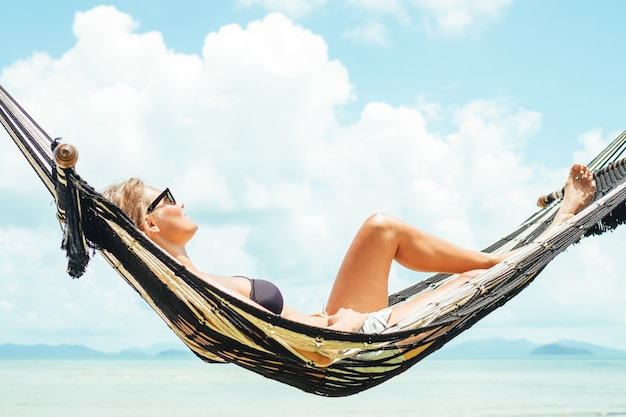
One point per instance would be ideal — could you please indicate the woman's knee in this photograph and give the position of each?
(380, 222)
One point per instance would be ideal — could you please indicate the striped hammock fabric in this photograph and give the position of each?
(220, 328)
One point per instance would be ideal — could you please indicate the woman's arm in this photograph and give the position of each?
(316, 320)
(346, 320)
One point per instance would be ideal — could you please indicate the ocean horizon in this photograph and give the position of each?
(491, 348)
(159, 387)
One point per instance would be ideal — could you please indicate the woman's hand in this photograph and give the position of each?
(346, 320)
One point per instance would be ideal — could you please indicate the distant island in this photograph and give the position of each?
(556, 349)
(498, 348)
(494, 348)
(78, 352)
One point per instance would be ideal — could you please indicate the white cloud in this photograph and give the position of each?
(438, 17)
(292, 8)
(593, 141)
(246, 134)
(40, 303)
(222, 250)
(392, 8)
(578, 296)
(431, 110)
(369, 32)
(454, 17)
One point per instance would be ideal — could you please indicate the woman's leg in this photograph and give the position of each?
(403, 310)
(361, 283)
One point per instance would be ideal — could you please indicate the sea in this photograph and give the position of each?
(185, 387)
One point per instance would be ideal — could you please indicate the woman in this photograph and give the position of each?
(358, 299)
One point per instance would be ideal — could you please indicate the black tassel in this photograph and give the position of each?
(74, 242)
(610, 222)
(69, 210)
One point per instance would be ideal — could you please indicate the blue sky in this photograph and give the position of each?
(282, 124)
(537, 54)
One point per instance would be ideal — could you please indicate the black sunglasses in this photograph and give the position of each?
(167, 195)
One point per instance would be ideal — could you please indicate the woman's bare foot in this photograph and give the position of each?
(579, 191)
(580, 188)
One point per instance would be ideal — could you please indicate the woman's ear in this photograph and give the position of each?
(150, 227)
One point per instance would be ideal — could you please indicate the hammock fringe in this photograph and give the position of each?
(612, 174)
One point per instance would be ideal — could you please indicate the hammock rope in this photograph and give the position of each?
(220, 328)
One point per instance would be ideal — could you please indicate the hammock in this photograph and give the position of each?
(220, 328)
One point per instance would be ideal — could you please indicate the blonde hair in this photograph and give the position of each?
(130, 196)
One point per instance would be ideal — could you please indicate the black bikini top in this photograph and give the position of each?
(266, 294)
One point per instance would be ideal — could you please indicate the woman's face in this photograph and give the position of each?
(172, 224)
